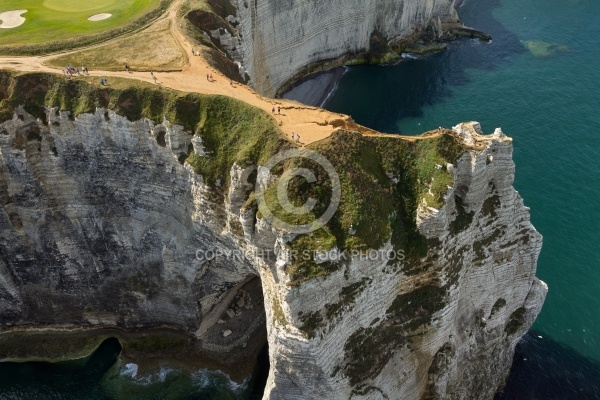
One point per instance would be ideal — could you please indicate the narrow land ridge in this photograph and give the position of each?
(311, 123)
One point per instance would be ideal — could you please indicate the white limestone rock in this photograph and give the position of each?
(103, 200)
(280, 38)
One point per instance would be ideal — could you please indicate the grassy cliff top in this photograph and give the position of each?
(382, 179)
(232, 130)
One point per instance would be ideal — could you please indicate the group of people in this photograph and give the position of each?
(278, 110)
(71, 71)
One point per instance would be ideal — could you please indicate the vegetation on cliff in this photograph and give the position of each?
(232, 131)
(382, 180)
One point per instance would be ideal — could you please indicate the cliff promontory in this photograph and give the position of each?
(131, 210)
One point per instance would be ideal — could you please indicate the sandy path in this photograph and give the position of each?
(311, 123)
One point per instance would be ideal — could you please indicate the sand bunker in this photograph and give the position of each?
(11, 19)
(99, 17)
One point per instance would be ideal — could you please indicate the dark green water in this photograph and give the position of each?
(102, 377)
(550, 105)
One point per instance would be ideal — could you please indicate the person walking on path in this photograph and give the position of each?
(278, 110)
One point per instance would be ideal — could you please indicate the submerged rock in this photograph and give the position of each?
(545, 49)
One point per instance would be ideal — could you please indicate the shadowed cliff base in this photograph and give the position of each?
(315, 89)
(104, 375)
(150, 348)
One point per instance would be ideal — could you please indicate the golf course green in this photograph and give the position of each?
(67, 20)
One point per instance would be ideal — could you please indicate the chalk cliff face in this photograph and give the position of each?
(278, 39)
(102, 218)
(100, 226)
(442, 327)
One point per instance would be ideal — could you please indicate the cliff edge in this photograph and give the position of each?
(141, 209)
(276, 42)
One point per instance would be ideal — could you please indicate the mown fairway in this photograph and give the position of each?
(57, 20)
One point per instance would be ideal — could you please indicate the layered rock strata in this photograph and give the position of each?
(443, 328)
(278, 39)
(101, 223)
(102, 226)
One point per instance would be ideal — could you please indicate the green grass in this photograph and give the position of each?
(159, 54)
(382, 180)
(232, 131)
(373, 205)
(53, 21)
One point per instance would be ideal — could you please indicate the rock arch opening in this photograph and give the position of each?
(235, 332)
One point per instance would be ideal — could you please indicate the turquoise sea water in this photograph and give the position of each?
(550, 104)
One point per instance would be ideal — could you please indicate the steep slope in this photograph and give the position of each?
(419, 286)
(278, 41)
(398, 325)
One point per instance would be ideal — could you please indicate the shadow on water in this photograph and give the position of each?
(260, 375)
(545, 369)
(75, 379)
(378, 97)
(100, 377)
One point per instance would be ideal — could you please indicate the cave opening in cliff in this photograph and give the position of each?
(236, 328)
(258, 334)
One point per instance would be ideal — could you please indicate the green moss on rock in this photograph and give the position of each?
(232, 131)
(516, 321)
(368, 350)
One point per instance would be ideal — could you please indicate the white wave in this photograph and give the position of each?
(334, 88)
(205, 378)
(130, 370)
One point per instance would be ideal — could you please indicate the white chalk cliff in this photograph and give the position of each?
(447, 330)
(99, 217)
(278, 39)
